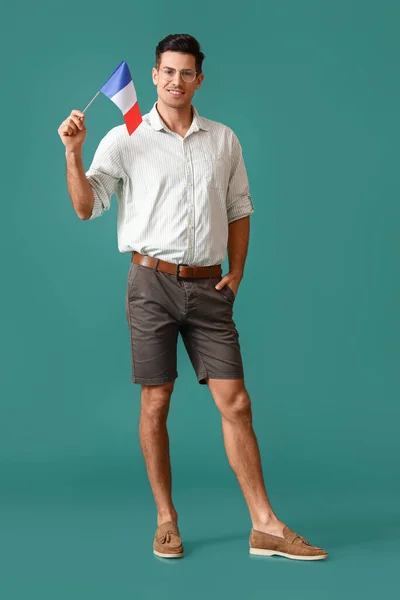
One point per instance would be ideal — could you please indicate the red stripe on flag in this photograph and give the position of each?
(133, 118)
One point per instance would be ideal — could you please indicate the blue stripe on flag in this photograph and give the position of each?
(117, 81)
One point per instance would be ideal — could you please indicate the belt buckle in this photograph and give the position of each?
(177, 270)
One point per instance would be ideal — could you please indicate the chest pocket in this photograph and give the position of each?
(212, 170)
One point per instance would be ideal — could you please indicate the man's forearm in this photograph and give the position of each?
(79, 188)
(238, 242)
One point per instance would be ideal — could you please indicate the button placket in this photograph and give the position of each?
(190, 201)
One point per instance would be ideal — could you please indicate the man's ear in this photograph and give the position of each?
(199, 80)
(154, 75)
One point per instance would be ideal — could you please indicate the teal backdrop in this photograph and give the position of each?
(312, 90)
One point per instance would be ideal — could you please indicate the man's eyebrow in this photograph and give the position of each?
(173, 68)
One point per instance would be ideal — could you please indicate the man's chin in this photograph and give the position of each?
(176, 102)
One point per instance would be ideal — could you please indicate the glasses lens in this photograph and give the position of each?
(188, 75)
(168, 73)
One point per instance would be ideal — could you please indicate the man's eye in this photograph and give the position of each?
(169, 71)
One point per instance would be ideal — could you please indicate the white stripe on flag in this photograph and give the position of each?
(125, 98)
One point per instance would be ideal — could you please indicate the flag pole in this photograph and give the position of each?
(92, 100)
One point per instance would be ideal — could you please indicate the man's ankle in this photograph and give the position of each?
(166, 517)
(269, 524)
(265, 520)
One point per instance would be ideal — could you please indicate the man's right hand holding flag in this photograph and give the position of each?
(72, 131)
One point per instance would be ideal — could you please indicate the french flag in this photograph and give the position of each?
(120, 89)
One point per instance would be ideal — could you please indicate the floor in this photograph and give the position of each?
(88, 533)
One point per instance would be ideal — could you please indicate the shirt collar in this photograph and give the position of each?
(156, 122)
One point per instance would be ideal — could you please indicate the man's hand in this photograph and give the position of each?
(72, 131)
(232, 280)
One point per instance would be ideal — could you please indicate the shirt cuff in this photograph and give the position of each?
(98, 208)
(241, 208)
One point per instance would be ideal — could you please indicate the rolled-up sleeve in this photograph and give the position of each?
(104, 174)
(239, 203)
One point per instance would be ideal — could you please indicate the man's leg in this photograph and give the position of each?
(241, 446)
(154, 441)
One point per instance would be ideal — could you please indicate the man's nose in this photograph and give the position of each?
(177, 78)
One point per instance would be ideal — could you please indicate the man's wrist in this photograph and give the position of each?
(74, 155)
(237, 273)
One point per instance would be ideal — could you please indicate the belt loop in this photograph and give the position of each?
(156, 265)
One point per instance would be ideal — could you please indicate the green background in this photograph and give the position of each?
(312, 91)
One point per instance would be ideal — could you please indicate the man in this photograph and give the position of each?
(183, 201)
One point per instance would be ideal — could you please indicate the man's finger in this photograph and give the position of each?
(221, 284)
(77, 113)
(77, 122)
(65, 130)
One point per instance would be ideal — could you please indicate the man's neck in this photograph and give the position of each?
(177, 120)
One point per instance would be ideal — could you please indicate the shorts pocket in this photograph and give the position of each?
(132, 274)
(229, 293)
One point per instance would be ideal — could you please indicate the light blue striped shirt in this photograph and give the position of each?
(176, 196)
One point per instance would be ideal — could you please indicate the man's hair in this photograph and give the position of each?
(180, 42)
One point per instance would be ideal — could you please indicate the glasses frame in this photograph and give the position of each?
(163, 75)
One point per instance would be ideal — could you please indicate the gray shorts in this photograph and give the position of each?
(159, 306)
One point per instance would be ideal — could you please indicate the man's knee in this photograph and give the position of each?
(239, 407)
(235, 405)
(155, 400)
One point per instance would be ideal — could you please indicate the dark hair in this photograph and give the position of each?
(180, 42)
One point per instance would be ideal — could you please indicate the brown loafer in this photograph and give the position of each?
(167, 541)
(291, 545)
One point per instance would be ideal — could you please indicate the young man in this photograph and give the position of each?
(183, 202)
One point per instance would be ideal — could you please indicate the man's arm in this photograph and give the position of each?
(72, 132)
(90, 191)
(239, 208)
(238, 242)
(79, 188)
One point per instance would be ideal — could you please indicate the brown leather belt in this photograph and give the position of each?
(181, 271)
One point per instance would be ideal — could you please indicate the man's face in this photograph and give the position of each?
(175, 92)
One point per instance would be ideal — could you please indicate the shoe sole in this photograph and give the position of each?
(168, 555)
(261, 552)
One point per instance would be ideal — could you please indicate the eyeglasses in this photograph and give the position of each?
(187, 75)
